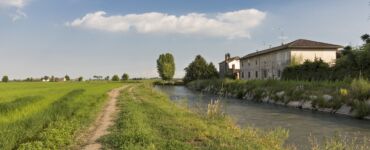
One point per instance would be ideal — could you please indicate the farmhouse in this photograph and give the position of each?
(269, 63)
(230, 67)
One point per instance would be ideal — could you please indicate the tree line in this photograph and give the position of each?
(198, 69)
(124, 77)
(351, 62)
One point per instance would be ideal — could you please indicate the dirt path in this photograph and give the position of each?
(104, 120)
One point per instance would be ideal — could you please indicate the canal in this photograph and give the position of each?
(300, 123)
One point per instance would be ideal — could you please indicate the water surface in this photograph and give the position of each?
(300, 123)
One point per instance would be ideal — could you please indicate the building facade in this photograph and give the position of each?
(230, 67)
(270, 63)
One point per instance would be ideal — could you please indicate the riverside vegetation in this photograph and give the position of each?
(35, 115)
(348, 98)
(149, 120)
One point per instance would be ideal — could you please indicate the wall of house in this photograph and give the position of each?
(236, 63)
(327, 55)
(271, 65)
(222, 69)
(265, 66)
(226, 68)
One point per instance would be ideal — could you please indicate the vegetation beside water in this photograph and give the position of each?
(149, 120)
(48, 115)
(332, 95)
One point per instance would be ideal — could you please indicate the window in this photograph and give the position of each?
(264, 73)
(242, 64)
(249, 74)
(279, 73)
(256, 74)
(233, 66)
(256, 62)
(243, 74)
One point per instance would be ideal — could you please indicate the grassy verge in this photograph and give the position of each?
(331, 95)
(47, 115)
(149, 120)
(171, 82)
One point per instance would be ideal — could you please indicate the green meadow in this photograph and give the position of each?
(35, 115)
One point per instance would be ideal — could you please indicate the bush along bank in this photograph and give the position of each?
(345, 98)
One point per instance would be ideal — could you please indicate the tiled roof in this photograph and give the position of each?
(301, 43)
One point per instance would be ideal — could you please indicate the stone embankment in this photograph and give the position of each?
(298, 97)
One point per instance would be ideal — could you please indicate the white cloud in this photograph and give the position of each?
(18, 5)
(234, 24)
(13, 3)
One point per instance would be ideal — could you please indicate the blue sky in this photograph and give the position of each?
(51, 37)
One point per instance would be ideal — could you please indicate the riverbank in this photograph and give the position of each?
(149, 120)
(341, 98)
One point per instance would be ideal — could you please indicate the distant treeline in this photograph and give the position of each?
(352, 62)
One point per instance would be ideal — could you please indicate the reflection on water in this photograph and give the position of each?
(300, 123)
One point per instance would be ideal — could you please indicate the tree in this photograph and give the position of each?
(52, 79)
(212, 71)
(46, 77)
(5, 79)
(166, 66)
(67, 78)
(80, 79)
(365, 37)
(125, 76)
(199, 69)
(107, 78)
(115, 78)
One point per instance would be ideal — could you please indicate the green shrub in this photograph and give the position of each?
(360, 89)
(362, 109)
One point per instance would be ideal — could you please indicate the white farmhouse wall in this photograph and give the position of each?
(328, 56)
(234, 62)
(271, 65)
(268, 65)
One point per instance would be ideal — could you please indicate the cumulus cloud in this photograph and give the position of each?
(18, 5)
(13, 3)
(236, 24)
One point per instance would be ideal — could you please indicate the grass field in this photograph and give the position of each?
(149, 120)
(48, 115)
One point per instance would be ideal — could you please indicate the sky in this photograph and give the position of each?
(107, 37)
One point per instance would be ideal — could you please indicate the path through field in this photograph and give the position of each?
(104, 120)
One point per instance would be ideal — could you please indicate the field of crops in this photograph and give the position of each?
(48, 115)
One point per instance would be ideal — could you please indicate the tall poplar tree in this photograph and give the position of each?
(166, 66)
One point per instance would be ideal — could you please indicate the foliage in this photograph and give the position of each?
(5, 79)
(172, 82)
(310, 71)
(149, 120)
(200, 69)
(115, 78)
(107, 78)
(125, 76)
(36, 115)
(339, 142)
(67, 78)
(166, 66)
(80, 79)
(360, 89)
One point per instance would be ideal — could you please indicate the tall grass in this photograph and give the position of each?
(47, 115)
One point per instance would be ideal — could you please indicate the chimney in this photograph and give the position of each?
(227, 56)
